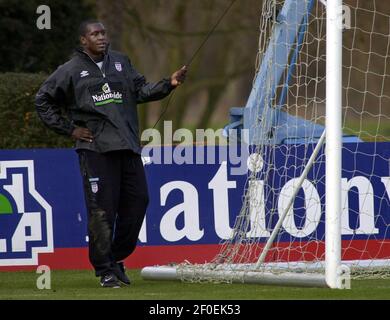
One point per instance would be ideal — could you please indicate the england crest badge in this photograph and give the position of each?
(118, 66)
(94, 184)
(94, 187)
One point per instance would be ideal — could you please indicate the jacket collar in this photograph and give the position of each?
(80, 51)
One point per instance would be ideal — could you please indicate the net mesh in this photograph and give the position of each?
(277, 161)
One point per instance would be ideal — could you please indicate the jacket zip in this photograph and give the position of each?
(103, 66)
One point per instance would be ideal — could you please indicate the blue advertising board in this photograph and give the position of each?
(193, 205)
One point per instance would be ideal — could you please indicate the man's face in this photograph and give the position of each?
(95, 39)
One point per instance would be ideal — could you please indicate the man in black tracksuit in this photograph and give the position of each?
(99, 89)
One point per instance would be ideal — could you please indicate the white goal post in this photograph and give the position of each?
(318, 208)
(334, 66)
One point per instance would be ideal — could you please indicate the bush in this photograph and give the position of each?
(20, 126)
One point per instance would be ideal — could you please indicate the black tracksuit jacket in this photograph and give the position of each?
(104, 101)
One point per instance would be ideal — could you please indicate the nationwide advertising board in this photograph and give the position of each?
(193, 204)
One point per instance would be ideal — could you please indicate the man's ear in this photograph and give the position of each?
(83, 40)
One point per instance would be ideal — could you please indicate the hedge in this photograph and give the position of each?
(20, 126)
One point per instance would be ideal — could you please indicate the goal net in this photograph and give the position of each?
(279, 234)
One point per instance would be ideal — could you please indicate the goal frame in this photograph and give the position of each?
(294, 14)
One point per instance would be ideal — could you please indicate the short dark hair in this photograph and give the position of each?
(83, 28)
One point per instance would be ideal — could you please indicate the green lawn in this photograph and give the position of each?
(82, 285)
(368, 130)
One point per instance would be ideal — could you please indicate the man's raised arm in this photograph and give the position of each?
(147, 92)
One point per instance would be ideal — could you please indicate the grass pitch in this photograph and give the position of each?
(82, 285)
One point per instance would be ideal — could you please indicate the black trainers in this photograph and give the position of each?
(121, 273)
(109, 281)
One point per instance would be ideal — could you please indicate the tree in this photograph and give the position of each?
(25, 48)
(161, 36)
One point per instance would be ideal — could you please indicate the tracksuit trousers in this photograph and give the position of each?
(116, 197)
